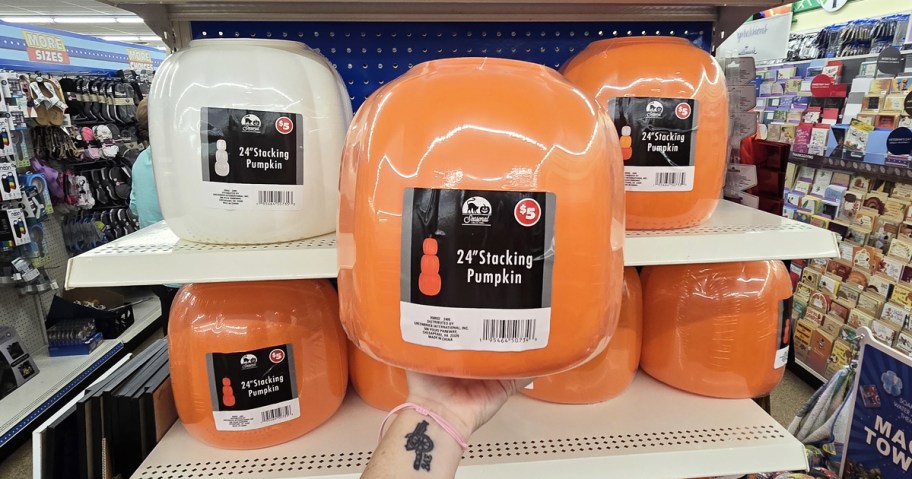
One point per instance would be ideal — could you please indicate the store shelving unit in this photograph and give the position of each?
(155, 255)
(650, 431)
(59, 376)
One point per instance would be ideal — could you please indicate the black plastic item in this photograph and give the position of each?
(110, 322)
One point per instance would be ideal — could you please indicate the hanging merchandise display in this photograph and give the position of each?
(269, 144)
(672, 116)
(379, 385)
(256, 364)
(609, 373)
(716, 329)
(465, 222)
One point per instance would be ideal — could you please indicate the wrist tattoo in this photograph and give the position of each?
(421, 443)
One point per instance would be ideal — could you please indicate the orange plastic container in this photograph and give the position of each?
(716, 329)
(671, 113)
(481, 222)
(379, 385)
(256, 364)
(609, 373)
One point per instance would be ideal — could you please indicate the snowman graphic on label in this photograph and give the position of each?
(222, 168)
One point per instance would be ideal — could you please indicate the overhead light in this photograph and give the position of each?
(120, 38)
(132, 19)
(76, 19)
(27, 19)
(149, 38)
(164, 49)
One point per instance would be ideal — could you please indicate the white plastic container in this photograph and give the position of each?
(247, 139)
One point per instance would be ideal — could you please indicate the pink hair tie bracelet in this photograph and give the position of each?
(427, 413)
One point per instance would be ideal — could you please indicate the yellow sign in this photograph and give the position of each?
(45, 48)
(139, 59)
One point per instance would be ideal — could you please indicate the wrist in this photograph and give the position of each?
(462, 423)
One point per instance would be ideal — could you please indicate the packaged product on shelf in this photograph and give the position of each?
(256, 364)
(673, 110)
(901, 248)
(608, 374)
(422, 254)
(814, 315)
(904, 342)
(839, 310)
(884, 332)
(821, 348)
(832, 324)
(269, 143)
(880, 285)
(716, 329)
(895, 315)
(802, 339)
(378, 384)
(848, 294)
(858, 318)
(870, 303)
(902, 294)
(841, 355)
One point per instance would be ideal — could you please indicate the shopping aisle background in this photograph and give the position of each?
(791, 394)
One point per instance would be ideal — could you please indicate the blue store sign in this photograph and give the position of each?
(880, 434)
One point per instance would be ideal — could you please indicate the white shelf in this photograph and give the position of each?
(650, 431)
(734, 233)
(155, 255)
(810, 371)
(57, 376)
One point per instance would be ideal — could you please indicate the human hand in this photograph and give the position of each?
(466, 403)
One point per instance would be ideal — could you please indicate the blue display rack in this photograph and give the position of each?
(369, 54)
(44, 49)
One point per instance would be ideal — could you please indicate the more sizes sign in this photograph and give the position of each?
(46, 48)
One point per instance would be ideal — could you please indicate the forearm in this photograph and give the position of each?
(414, 446)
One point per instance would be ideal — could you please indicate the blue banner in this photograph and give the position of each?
(43, 49)
(880, 435)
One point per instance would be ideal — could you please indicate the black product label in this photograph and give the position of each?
(476, 269)
(253, 389)
(785, 337)
(657, 141)
(252, 159)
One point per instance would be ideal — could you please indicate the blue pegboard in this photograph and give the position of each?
(369, 54)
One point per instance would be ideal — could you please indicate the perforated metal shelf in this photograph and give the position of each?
(58, 376)
(650, 431)
(155, 255)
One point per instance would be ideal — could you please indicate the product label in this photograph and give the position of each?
(657, 142)
(476, 269)
(252, 160)
(253, 389)
(785, 338)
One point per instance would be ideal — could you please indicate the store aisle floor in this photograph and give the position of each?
(791, 394)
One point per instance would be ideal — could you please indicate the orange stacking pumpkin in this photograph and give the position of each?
(609, 373)
(379, 385)
(256, 364)
(716, 329)
(481, 222)
(671, 113)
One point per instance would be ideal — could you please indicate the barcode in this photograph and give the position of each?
(671, 179)
(508, 330)
(275, 197)
(277, 413)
